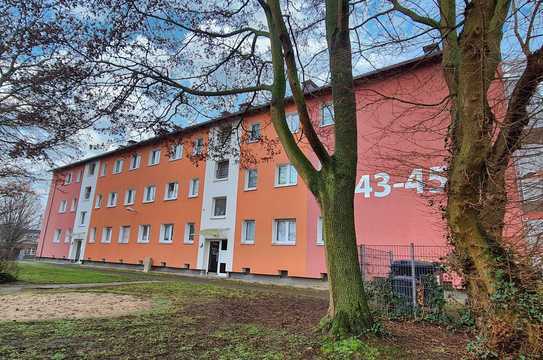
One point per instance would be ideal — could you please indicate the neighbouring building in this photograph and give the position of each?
(155, 199)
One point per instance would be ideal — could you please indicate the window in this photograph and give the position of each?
(251, 177)
(176, 152)
(171, 191)
(78, 178)
(221, 170)
(286, 175)
(62, 206)
(327, 115)
(190, 232)
(118, 166)
(92, 235)
(135, 161)
(68, 178)
(106, 235)
(154, 157)
(87, 193)
(285, 232)
(254, 132)
(57, 235)
(532, 189)
(194, 187)
(92, 169)
(74, 204)
(534, 231)
(144, 233)
(68, 236)
(293, 122)
(166, 233)
(82, 218)
(198, 146)
(149, 194)
(112, 199)
(103, 170)
(124, 234)
(219, 206)
(130, 197)
(248, 235)
(320, 231)
(98, 202)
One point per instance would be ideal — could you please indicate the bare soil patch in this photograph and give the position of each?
(28, 306)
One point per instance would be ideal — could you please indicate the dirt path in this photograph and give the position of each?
(27, 306)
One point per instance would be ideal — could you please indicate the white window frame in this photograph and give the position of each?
(163, 228)
(68, 178)
(152, 157)
(98, 201)
(103, 169)
(141, 240)
(176, 152)
(112, 199)
(78, 177)
(245, 226)
(290, 123)
(252, 138)
(320, 231)
(82, 218)
(68, 236)
(167, 196)
(92, 235)
(275, 231)
(323, 109)
(186, 238)
(124, 236)
(57, 236)
(145, 192)
(106, 239)
(63, 206)
(87, 194)
(73, 207)
(93, 167)
(197, 147)
(118, 166)
(127, 200)
(137, 158)
(247, 173)
(217, 164)
(214, 207)
(193, 182)
(291, 168)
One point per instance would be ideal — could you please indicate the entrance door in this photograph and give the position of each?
(213, 256)
(77, 249)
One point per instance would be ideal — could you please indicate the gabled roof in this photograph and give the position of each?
(390, 70)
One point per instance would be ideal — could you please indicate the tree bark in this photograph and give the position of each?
(348, 312)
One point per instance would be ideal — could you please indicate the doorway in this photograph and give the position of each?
(213, 256)
(77, 249)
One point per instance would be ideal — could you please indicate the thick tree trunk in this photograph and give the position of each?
(348, 312)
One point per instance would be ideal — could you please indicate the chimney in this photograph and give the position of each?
(309, 86)
(430, 49)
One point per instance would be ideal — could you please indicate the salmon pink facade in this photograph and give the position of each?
(248, 212)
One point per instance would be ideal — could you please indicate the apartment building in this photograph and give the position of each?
(248, 211)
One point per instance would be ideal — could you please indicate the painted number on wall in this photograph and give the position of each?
(381, 186)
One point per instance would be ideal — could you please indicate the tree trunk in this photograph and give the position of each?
(348, 312)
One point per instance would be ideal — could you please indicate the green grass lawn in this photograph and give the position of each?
(198, 319)
(46, 273)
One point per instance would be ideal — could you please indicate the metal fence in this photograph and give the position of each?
(407, 280)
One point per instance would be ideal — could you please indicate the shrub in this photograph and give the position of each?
(8, 271)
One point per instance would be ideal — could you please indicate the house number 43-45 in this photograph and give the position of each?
(382, 187)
